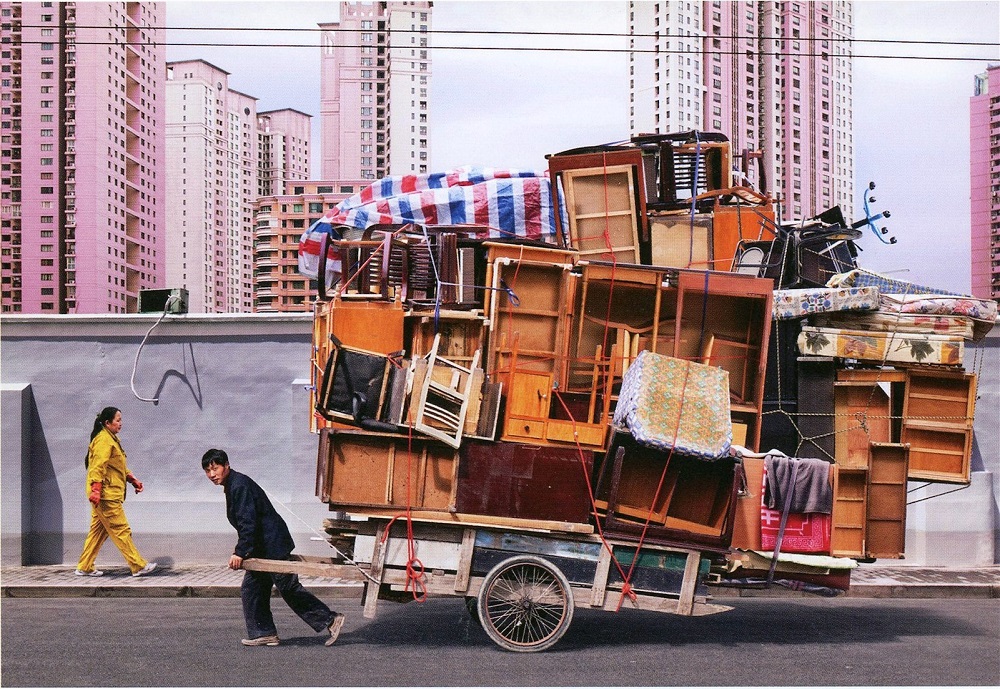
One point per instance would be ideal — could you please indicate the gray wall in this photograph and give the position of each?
(231, 381)
(237, 381)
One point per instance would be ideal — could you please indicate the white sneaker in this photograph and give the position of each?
(335, 626)
(270, 640)
(148, 569)
(91, 573)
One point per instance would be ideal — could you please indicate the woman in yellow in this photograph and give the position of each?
(107, 474)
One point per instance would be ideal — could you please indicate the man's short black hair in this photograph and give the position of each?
(214, 456)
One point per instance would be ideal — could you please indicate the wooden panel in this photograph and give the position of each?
(886, 517)
(519, 481)
(601, 205)
(732, 224)
(746, 527)
(863, 412)
(677, 242)
(850, 498)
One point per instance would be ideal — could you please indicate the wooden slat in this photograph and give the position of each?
(476, 520)
(465, 560)
(370, 598)
(685, 605)
(599, 590)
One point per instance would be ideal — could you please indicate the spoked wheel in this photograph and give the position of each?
(525, 604)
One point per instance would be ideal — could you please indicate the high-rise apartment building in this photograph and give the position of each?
(279, 223)
(212, 173)
(375, 98)
(984, 120)
(283, 138)
(772, 76)
(83, 158)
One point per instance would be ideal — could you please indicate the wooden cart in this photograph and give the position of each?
(521, 584)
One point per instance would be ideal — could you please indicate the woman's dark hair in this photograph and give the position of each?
(107, 415)
(214, 456)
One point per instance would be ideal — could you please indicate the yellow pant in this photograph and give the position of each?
(108, 519)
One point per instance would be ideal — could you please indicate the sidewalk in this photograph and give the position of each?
(216, 581)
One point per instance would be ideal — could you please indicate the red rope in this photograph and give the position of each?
(626, 588)
(416, 578)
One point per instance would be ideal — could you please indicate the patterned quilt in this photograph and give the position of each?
(796, 303)
(672, 403)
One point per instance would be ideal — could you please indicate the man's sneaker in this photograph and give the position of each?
(271, 640)
(91, 573)
(334, 629)
(148, 569)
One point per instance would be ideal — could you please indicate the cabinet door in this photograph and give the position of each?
(527, 404)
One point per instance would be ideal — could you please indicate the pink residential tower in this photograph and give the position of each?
(82, 153)
(985, 177)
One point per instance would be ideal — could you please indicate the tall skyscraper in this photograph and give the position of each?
(984, 121)
(280, 220)
(771, 76)
(375, 82)
(212, 178)
(83, 162)
(284, 152)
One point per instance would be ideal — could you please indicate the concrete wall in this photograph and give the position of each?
(234, 382)
(238, 382)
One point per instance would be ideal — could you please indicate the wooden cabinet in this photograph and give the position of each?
(938, 410)
(724, 319)
(381, 470)
(683, 499)
(886, 537)
(850, 502)
(869, 505)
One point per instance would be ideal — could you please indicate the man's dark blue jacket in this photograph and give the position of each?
(261, 530)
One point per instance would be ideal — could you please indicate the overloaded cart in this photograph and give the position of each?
(548, 391)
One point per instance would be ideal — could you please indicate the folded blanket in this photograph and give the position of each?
(809, 484)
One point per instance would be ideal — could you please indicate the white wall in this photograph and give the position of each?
(230, 381)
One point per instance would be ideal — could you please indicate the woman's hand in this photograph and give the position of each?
(136, 483)
(235, 562)
(95, 493)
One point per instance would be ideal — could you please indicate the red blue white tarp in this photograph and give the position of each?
(510, 202)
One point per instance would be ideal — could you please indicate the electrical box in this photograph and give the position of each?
(156, 300)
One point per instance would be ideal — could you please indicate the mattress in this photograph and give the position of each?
(868, 345)
(864, 278)
(796, 303)
(959, 326)
(669, 403)
(983, 312)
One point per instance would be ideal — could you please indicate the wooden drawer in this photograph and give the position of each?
(521, 427)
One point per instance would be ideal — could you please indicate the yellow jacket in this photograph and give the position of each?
(107, 465)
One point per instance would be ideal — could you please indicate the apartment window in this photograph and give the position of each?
(47, 46)
(45, 132)
(316, 207)
(322, 189)
(45, 248)
(45, 161)
(45, 277)
(297, 207)
(46, 190)
(45, 104)
(46, 220)
(46, 118)
(46, 75)
(346, 189)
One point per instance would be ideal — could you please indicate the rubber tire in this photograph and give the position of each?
(527, 624)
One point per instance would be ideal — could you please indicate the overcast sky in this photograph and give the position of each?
(506, 108)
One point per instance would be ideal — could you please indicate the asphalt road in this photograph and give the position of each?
(799, 642)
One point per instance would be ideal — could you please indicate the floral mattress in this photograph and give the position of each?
(669, 403)
(890, 347)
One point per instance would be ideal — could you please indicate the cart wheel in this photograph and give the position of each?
(472, 605)
(525, 604)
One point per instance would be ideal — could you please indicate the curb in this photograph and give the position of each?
(156, 591)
